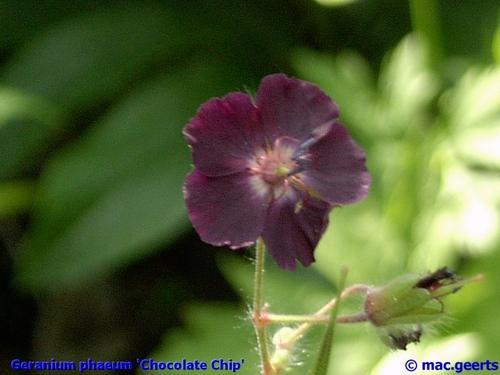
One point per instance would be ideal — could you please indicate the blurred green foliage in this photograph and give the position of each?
(93, 98)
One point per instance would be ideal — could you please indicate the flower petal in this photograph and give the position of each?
(292, 231)
(225, 210)
(338, 172)
(294, 108)
(225, 134)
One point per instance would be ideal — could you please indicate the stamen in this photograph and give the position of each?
(302, 156)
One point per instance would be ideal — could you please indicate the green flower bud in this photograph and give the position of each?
(281, 358)
(399, 309)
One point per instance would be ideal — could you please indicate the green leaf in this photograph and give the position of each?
(22, 105)
(474, 117)
(15, 15)
(27, 125)
(15, 197)
(117, 192)
(495, 46)
(465, 216)
(325, 351)
(406, 86)
(83, 61)
(73, 67)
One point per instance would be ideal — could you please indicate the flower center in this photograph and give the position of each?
(273, 170)
(279, 166)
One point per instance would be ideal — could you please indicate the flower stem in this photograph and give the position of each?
(315, 319)
(287, 319)
(319, 315)
(425, 20)
(258, 322)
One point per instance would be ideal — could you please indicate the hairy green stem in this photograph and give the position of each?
(258, 322)
(361, 317)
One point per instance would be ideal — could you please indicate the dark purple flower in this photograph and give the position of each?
(273, 167)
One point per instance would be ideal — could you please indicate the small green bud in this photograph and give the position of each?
(283, 336)
(281, 359)
(401, 302)
(282, 355)
(399, 309)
